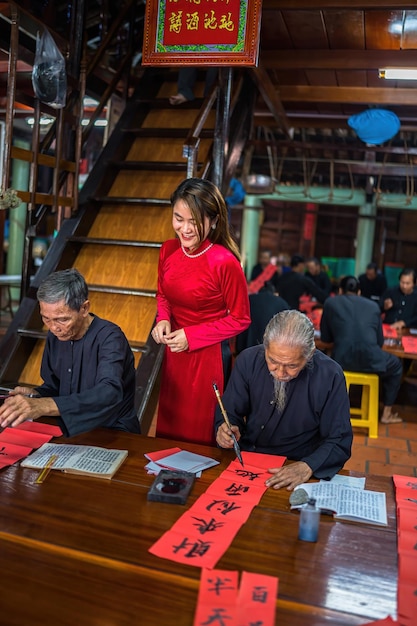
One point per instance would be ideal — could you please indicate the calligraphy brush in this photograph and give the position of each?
(226, 419)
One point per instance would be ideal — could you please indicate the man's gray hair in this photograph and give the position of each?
(293, 329)
(67, 285)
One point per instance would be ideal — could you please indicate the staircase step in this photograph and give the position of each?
(164, 166)
(170, 133)
(115, 242)
(130, 200)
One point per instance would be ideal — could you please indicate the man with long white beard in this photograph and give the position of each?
(287, 398)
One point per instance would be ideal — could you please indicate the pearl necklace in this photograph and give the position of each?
(194, 256)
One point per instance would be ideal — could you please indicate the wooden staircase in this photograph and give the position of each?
(124, 216)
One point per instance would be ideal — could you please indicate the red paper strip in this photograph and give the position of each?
(226, 508)
(10, 453)
(388, 331)
(409, 344)
(238, 490)
(256, 602)
(160, 454)
(24, 437)
(405, 482)
(407, 603)
(406, 501)
(197, 551)
(202, 535)
(264, 461)
(217, 597)
(40, 427)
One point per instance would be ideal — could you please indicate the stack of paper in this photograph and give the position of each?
(177, 459)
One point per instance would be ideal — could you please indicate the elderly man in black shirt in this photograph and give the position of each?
(87, 365)
(285, 397)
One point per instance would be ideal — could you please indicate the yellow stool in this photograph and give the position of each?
(368, 411)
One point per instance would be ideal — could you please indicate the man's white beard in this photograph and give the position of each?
(280, 394)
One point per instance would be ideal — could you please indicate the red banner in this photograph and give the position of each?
(201, 22)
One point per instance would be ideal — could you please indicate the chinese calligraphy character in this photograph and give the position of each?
(175, 22)
(196, 548)
(226, 22)
(259, 594)
(192, 21)
(247, 474)
(204, 527)
(210, 20)
(3, 453)
(217, 616)
(236, 490)
(226, 505)
(219, 585)
(412, 485)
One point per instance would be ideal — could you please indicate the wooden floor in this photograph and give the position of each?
(393, 452)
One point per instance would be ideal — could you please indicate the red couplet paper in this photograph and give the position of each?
(217, 597)
(257, 600)
(161, 454)
(409, 344)
(202, 535)
(221, 602)
(24, 437)
(11, 453)
(40, 427)
(388, 331)
(406, 501)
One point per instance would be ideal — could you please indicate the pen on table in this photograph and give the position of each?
(226, 419)
(44, 473)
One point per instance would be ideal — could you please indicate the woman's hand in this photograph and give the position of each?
(161, 330)
(177, 341)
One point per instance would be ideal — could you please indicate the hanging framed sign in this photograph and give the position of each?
(202, 32)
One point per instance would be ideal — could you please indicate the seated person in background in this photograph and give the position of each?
(287, 398)
(187, 77)
(372, 283)
(400, 303)
(354, 325)
(292, 285)
(317, 275)
(87, 365)
(264, 271)
(263, 306)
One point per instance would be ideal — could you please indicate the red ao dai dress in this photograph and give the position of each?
(205, 294)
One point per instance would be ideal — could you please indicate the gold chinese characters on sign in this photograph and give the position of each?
(195, 32)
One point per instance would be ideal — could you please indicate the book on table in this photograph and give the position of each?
(347, 503)
(77, 459)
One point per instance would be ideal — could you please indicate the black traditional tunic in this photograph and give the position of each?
(92, 380)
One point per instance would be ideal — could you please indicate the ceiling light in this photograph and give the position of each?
(398, 73)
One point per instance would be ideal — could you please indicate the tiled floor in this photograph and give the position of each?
(393, 452)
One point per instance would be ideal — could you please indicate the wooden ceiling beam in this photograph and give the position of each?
(337, 59)
(348, 95)
(264, 118)
(271, 97)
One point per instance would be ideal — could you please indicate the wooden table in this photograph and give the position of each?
(75, 550)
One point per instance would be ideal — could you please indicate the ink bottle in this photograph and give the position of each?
(308, 528)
